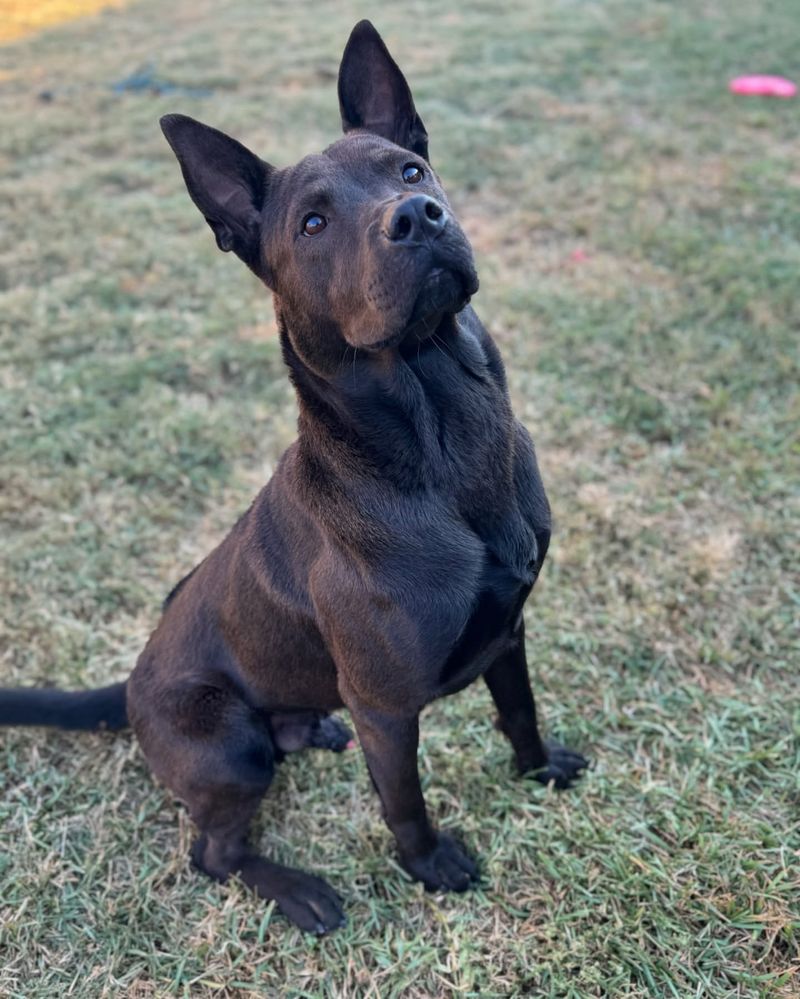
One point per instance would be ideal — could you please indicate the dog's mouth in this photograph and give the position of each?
(444, 289)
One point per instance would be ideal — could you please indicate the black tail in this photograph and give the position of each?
(76, 709)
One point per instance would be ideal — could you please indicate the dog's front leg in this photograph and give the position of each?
(390, 746)
(544, 759)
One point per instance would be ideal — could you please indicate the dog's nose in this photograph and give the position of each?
(415, 219)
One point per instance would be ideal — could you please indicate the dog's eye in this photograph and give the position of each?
(313, 223)
(412, 174)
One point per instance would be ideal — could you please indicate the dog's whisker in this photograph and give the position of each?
(435, 342)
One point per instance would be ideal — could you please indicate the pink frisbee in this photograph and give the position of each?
(765, 86)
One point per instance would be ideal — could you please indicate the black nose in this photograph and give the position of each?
(415, 219)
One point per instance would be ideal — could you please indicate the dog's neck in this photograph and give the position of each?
(415, 415)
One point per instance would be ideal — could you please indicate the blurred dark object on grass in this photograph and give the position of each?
(145, 79)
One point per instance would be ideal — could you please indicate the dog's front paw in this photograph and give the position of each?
(562, 768)
(448, 867)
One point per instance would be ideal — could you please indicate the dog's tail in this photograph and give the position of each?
(73, 709)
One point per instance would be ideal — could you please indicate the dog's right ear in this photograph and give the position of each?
(226, 181)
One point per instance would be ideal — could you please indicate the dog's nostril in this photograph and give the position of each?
(402, 227)
(432, 210)
(416, 219)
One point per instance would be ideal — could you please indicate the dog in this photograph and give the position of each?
(386, 562)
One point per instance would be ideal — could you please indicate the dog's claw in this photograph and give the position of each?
(448, 867)
(563, 767)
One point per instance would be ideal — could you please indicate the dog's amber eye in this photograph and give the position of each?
(412, 174)
(313, 223)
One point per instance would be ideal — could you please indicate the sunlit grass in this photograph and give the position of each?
(24, 17)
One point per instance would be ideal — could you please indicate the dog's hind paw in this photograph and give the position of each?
(562, 768)
(330, 733)
(295, 730)
(306, 900)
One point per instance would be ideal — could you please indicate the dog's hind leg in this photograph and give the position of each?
(217, 755)
(223, 815)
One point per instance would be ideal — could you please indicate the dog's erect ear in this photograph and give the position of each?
(226, 181)
(374, 95)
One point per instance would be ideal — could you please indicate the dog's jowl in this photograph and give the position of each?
(387, 561)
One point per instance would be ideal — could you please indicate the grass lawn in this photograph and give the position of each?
(638, 237)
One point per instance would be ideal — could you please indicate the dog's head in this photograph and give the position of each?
(358, 243)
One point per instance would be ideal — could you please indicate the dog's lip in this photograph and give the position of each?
(469, 284)
(423, 324)
(389, 341)
(465, 276)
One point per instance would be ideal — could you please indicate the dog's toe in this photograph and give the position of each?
(309, 903)
(563, 767)
(448, 867)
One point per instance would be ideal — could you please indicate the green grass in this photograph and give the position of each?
(143, 401)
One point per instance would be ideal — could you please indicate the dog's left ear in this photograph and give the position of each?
(374, 95)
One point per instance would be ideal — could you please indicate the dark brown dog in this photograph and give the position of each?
(387, 561)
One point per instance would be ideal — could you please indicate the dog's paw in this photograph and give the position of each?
(306, 900)
(562, 768)
(330, 733)
(448, 867)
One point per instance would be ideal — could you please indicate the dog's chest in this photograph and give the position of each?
(485, 476)
(492, 620)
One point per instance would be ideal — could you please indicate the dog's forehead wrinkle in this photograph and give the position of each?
(318, 177)
(362, 151)
(363, 143)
